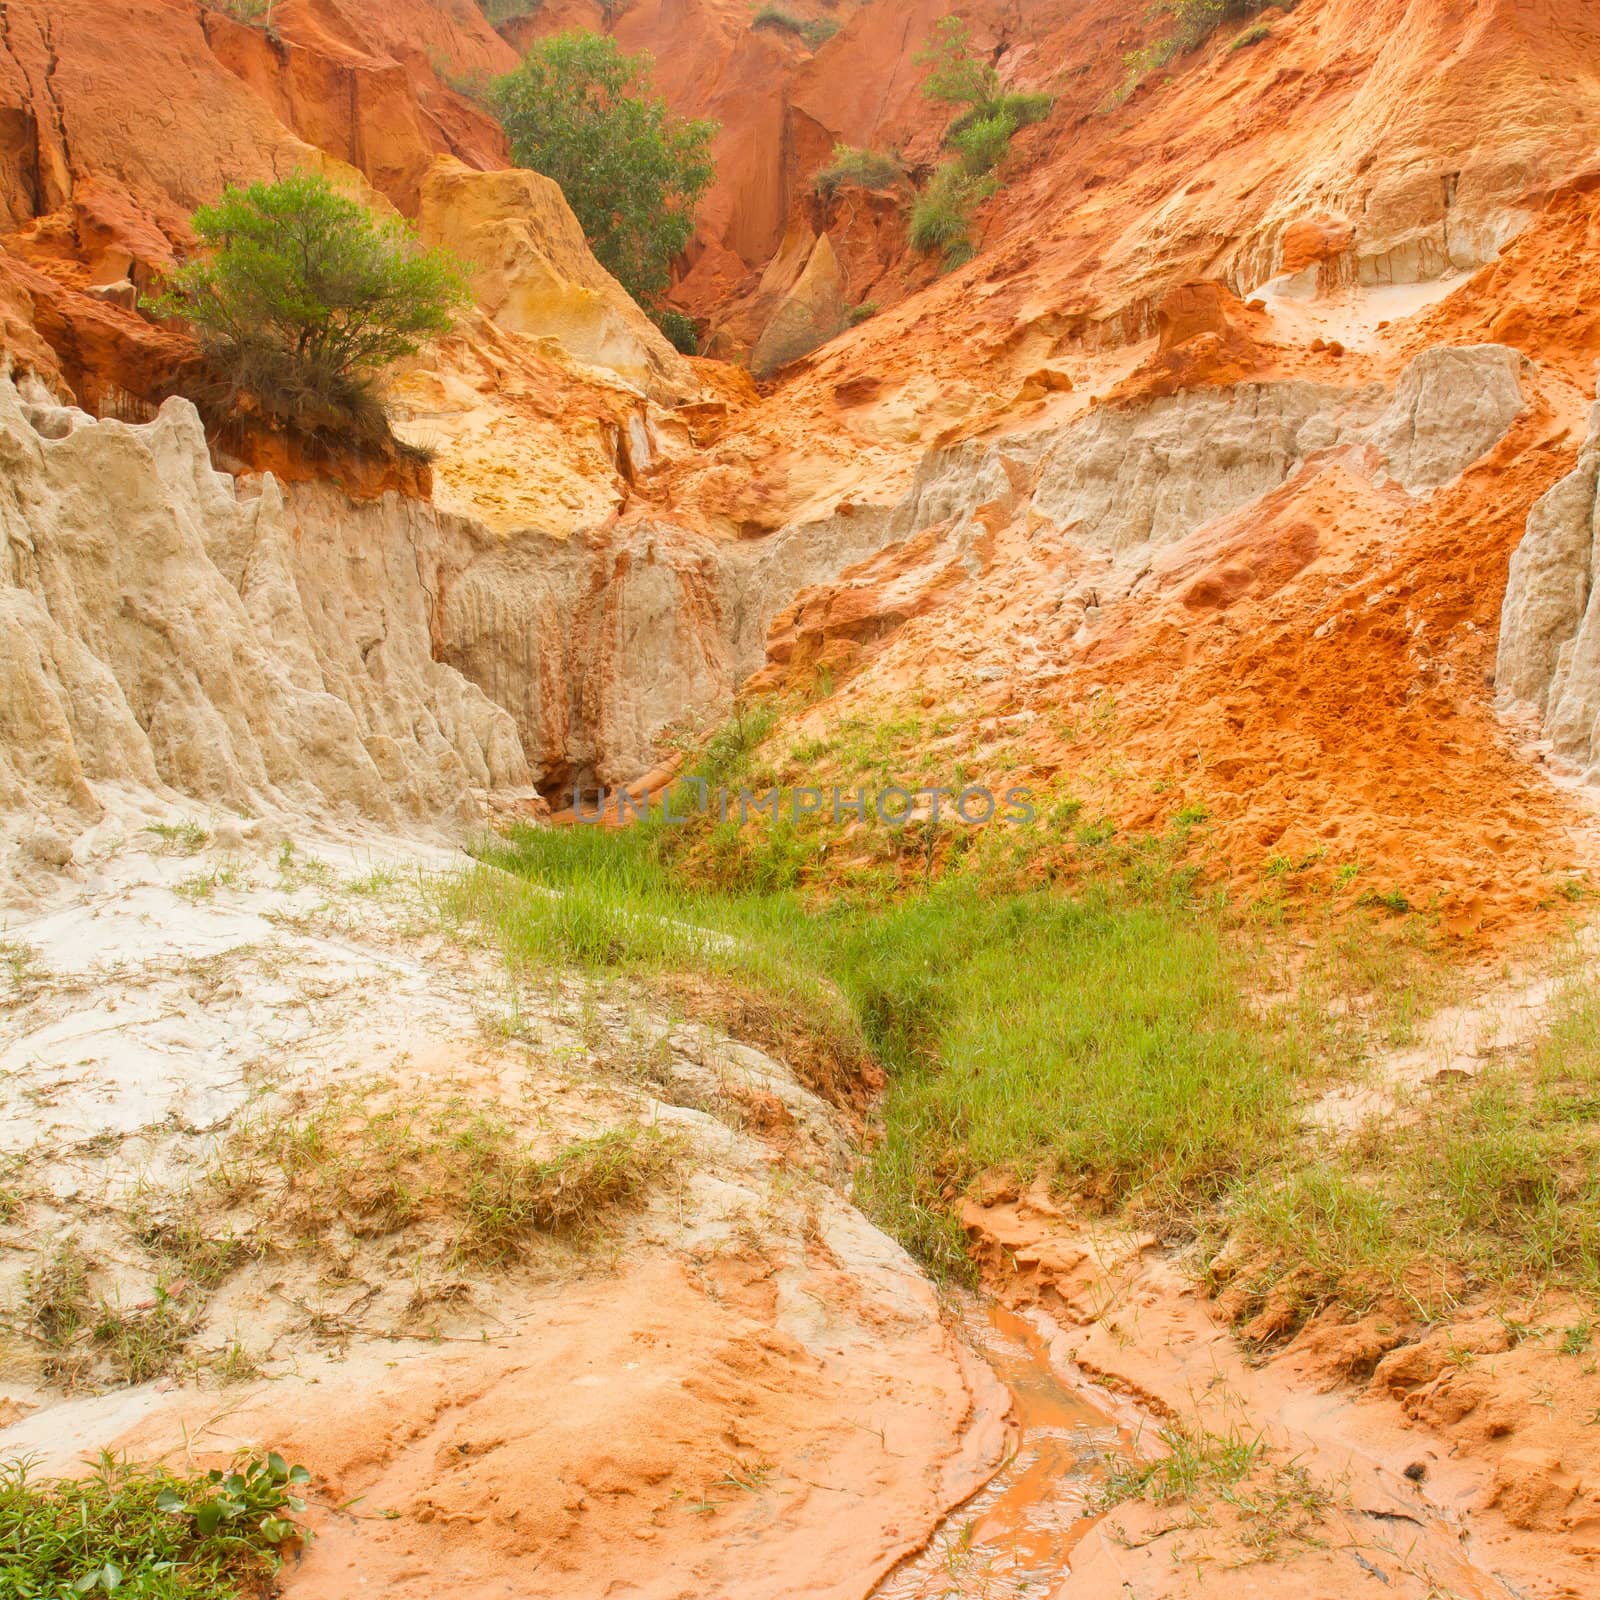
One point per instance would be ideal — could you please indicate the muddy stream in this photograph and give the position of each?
(1016, 1535)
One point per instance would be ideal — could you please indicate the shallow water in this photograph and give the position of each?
(1015, 1536)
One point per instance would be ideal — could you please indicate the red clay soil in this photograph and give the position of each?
(1317, 674)
(1457, 1460)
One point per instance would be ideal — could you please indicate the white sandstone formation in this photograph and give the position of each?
(1549, 624)
(162, 629)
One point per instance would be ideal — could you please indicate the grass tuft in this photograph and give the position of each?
(371, 1162)
(853, 167)
(180, 838)
(1277, 1503)
(22, 968)
(942, 215)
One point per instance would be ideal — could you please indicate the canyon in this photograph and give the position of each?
(1238, 495)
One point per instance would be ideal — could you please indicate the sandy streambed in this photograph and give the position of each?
(732, 1386)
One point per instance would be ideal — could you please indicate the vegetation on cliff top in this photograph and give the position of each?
(864, 169)
(300, 298)
(815, 33)
(585, 114)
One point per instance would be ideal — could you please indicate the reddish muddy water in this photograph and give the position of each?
(1015, 1537)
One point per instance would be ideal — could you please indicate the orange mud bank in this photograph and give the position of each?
(1392, 1461)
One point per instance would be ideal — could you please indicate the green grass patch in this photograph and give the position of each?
(1065, 1000)
(1104, 1039)
(141, 1531)
(1486, 1183)
(180, 838)
(942, 215)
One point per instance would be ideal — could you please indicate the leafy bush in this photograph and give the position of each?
(860, 313)
(585, 114)
(679, 328)
(497, 12)
(955, 74)
(864, 169)
(301, 298)
(776, 18)
(941, 216)
(1194, 21)
(142, 1531)
(1024, 109)
(982, 144)
(980, 136)
(819, 32)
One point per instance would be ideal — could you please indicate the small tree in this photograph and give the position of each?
(583, 113)
(301, 298)
(956, 76)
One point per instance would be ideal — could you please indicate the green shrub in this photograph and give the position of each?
(679, 328)
(1022, 109)
(253, 13)
(586, 115)
(1194, 21)
(776, 18)
(956, 76)
(301, 298)
(1252, 36)
(981, 146)
(980, 135)
(142, 1531)
(862, 169)
(860, 313)
(941, 216)
(814, 33)
(497, 12)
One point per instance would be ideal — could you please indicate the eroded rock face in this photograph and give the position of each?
(1116, 492)
(1550, 625)
(533, 273)
(1133, 475)
(808, 314)
(161, 629)
(597, 644)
